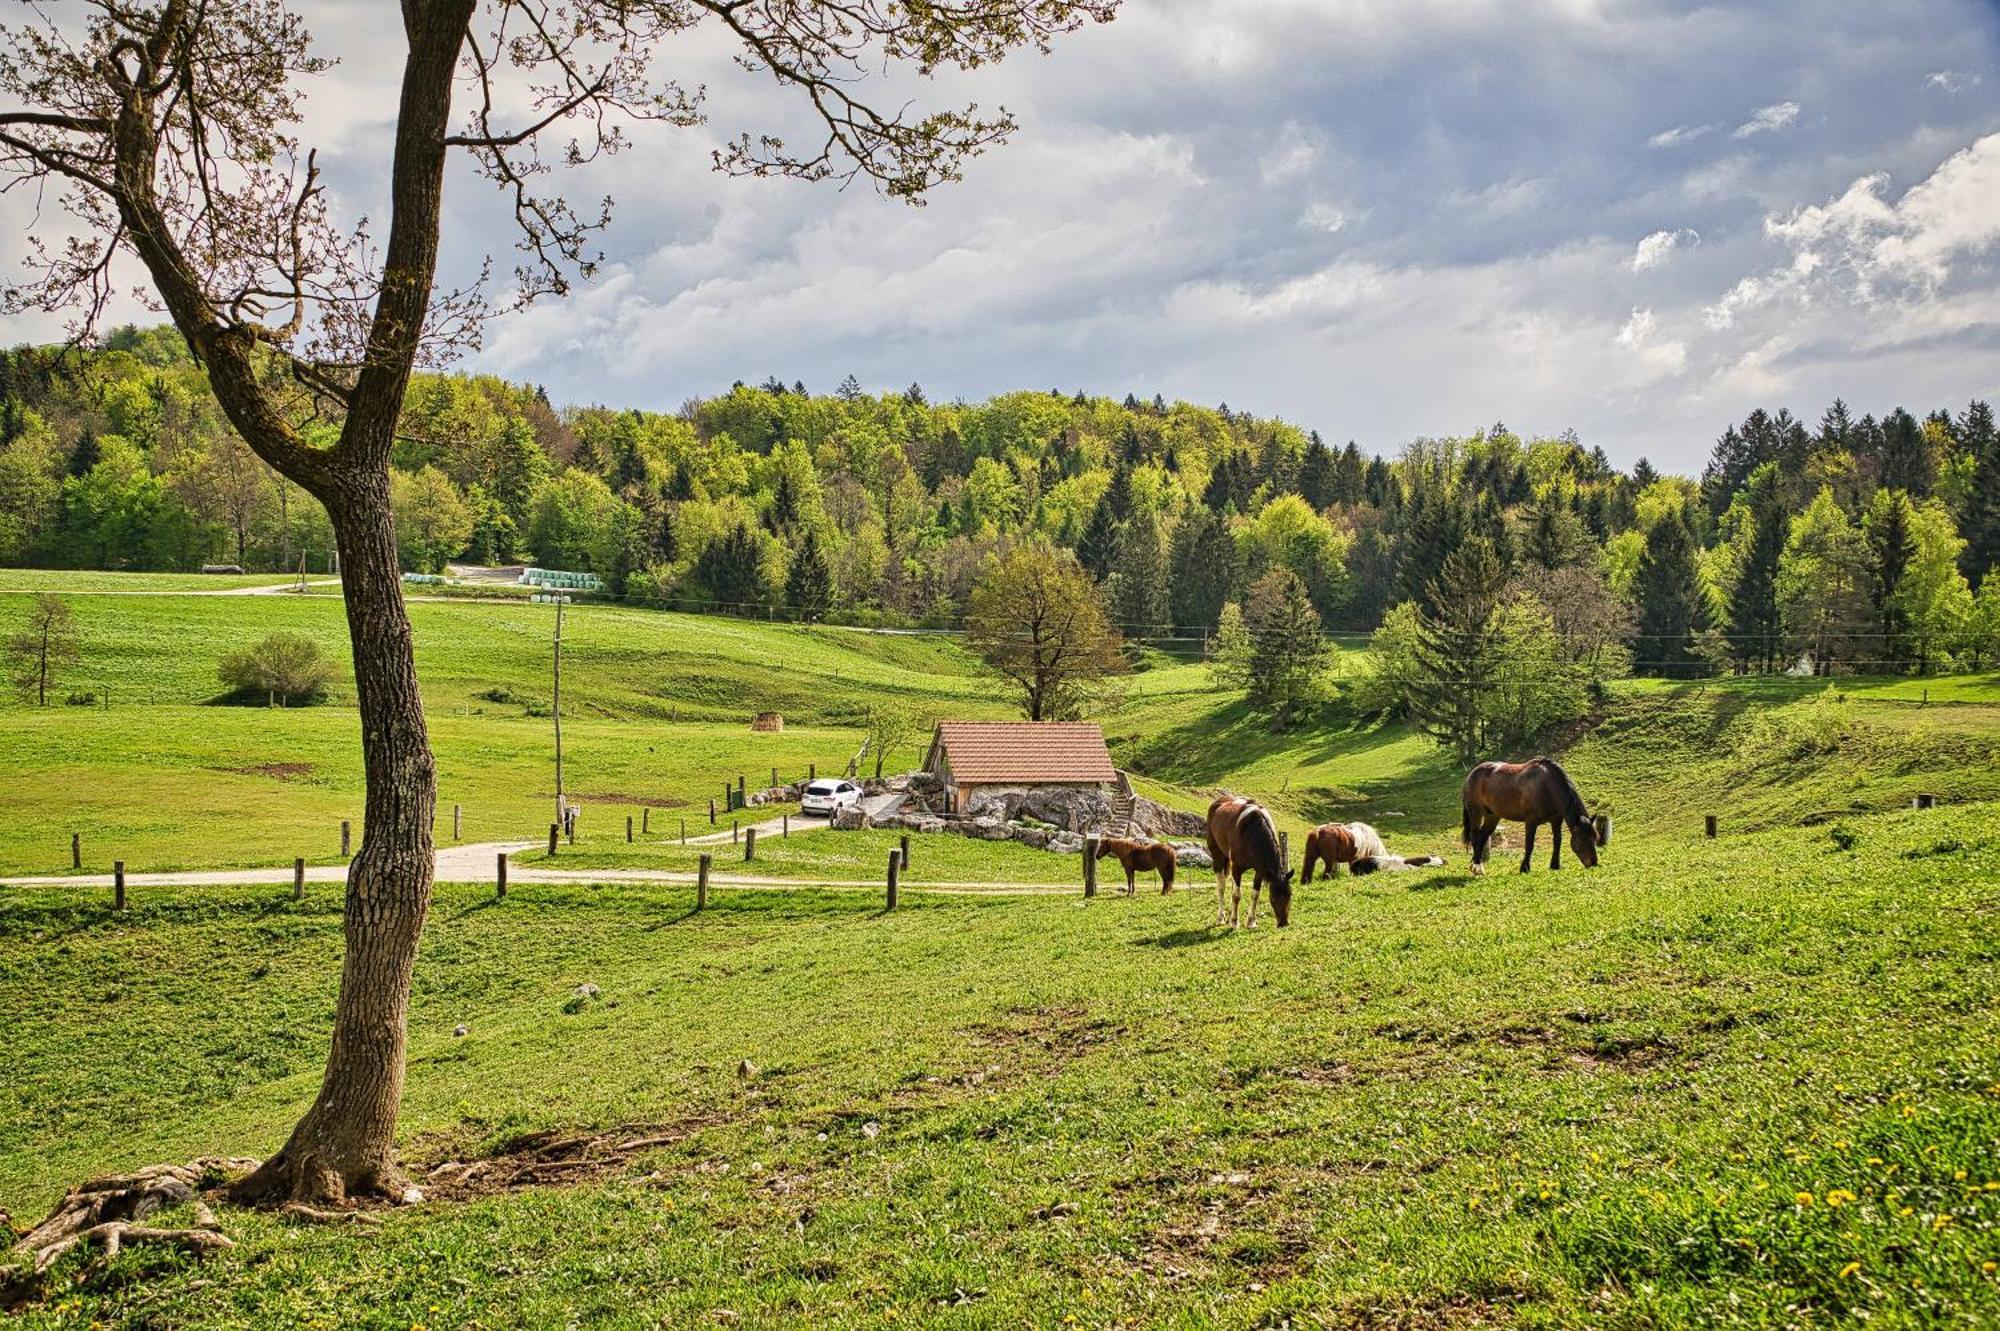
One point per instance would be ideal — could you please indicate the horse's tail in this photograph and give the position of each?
(1572, 802)
(1167, 862)
(1466, 818)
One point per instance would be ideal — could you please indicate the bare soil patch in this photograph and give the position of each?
(552, 1157)
(276, 771)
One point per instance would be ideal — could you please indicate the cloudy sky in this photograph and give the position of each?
(1378, 218)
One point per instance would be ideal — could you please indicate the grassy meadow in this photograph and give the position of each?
(1745, 1082)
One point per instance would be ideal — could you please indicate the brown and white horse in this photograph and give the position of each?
(1533, 792)
(1138, 855)
(1242, 837)
(1358, 846)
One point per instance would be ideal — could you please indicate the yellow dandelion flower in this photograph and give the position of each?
(1839, 1197)
(1804, 1199)
(1989, 1267)
(1943, 1219)
(1851, 1269)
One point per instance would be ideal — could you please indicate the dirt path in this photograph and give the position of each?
(476, 863)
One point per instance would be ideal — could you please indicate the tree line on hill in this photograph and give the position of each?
(1859, 544)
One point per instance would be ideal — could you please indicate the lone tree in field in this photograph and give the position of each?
(45, 643)
(1039, 619)
(167, 130)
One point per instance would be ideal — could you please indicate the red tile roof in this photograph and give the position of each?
(983, 752)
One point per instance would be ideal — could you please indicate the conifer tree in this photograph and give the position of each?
(1202, 566)
(1891, 547)
(1755, 626)
(1981, 523)
(1672, 609)
(1350, 477)
(1908, 461)
(1139, 558)
(1094, 549)
(1457, 649)
(1289, 650)
(809, 583)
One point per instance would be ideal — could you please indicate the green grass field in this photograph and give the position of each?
(1746, 1082)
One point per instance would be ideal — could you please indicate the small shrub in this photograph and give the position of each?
(283, 668)
(82, 698)
(1844, 837)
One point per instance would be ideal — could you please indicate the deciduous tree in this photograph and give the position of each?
(1039, 620)
(46, 643)
(168, 129)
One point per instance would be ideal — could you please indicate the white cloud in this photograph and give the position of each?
(1679, 134)
(1323, 217)
(1657, 248)
(1950, 80)
(1291, 156)
(1767, 119)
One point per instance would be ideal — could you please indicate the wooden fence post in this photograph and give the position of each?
(684, 831)
(785, 824)
(1708, 825)
(628, 829)
(905, 848)
(812, 772)
(118, 885)
(299, 879)
(346, 831)
(569, 824)
(1090, 866)
(895, 872)
(555, 830)
(701, 883)
(500, 874)
(774, 778)
(1284, 851)
(646, 821)
(458, 822)
(741, 802)
(76, 850)
(711, 811)
(1602, 825)
(750, 845)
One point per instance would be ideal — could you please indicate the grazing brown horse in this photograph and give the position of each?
(1532, 793)
(1138, 855)
(1241, 836)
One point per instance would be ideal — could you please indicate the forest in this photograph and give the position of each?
(1852, 544)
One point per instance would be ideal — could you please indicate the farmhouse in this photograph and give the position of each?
(989, 761)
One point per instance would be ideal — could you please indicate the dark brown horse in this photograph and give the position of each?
(1242, 837)
(1533, 793)
(1138, 856)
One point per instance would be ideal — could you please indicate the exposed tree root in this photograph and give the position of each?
(107, 1211)
(313, 1215)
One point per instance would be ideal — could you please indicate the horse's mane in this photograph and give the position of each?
(1260, 834)
(1573, 806)
(1368, 843)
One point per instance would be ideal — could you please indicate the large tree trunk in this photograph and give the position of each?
(345, 1144)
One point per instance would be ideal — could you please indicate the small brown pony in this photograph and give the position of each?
(1138, 855)
(1335, 844)
(1241, 836)
(1533, 792)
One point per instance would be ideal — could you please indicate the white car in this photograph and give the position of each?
(829, 797)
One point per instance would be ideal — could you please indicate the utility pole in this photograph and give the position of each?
(562, 812)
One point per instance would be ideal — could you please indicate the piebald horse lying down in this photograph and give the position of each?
(1359, 847)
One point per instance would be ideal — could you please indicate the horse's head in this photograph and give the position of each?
(1281, 896)
(1583, 840)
